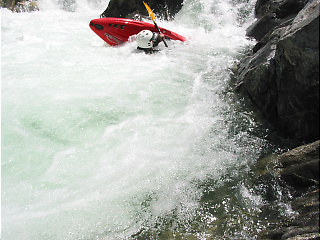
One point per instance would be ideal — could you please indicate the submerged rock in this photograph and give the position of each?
(134, 8)
(299, 169)
(282, 76)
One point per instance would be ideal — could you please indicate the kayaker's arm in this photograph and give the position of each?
(160, 38)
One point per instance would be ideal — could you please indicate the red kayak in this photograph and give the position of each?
(116, 31)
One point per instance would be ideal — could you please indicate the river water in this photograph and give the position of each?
(102, 142)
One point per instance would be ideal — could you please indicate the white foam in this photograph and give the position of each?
(113, 140)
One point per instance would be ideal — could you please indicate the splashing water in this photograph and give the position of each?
(102, 142)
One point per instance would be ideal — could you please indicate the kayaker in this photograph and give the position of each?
(147, 41)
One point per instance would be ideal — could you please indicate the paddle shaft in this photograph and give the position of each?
(154, 21)
(156, 25)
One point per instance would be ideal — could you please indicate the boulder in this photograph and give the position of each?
(20, 5)
(300, 166)
(304, 225)
(134, 8)
(282, 75)
(273, 14)
(8, 3)
(265, 24)
(298, 169)
(290, 7)
(281, 8)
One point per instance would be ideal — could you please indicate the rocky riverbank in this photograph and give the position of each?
(298, 170)
(281, 77)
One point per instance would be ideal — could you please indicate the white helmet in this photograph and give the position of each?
(144, 39)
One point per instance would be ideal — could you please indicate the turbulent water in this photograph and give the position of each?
(102, 142)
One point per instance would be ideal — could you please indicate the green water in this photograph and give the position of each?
(105, 143)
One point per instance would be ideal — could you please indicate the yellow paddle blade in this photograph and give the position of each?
(150, 12)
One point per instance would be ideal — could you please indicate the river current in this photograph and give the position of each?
(103, 142)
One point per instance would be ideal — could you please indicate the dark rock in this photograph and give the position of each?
(130, 8)
(281, 8)
(20, 5)
(299, 155)
(290, 7)
(295, 233)
(298, 79)
(307, 203)
(264, 7)
(273, 14)
(302, 175)
(274, 234)
(272, 36)
(8, 3)
(264, 25)
(282, 77)
(300, 167)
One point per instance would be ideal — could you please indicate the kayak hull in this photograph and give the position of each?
(116, 31)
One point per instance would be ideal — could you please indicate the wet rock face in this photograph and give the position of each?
(274, 14)
(282, 76)
(297, 73)
(299, 169)
(282, 8)
(130, 8)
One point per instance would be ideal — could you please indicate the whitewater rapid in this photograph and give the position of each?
(102, 142)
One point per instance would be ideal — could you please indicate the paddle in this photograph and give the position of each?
(154, 20)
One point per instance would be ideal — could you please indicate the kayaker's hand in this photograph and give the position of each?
(161, 36)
